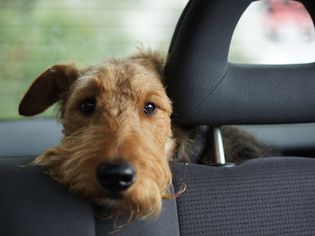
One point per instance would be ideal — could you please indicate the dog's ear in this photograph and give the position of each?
(153, 60)
(50, 87)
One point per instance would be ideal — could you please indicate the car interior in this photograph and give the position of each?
(272, 195)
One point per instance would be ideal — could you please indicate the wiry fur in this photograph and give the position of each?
(118, 130)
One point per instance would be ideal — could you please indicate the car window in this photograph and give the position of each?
(273, 32)
(35, 35)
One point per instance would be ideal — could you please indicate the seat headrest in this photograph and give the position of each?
(206, 89)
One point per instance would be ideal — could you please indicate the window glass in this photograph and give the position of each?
(273, 32)
(36, 34)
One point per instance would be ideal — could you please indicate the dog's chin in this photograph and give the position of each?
(109, 199)
(106, 206)
(112, 196)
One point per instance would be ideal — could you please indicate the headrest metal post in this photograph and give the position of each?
(218, 147)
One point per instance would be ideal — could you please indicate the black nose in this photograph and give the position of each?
(116, 177)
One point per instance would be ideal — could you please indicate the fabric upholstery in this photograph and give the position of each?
(32, 204)
(267, 196)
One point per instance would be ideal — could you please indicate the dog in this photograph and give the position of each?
(195, 144)
(118, 136)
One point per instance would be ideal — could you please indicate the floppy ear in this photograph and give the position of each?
(47, 89)
(154, 60)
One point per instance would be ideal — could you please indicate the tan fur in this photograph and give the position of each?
(118, 129)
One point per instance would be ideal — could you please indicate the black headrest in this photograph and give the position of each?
(206, 89)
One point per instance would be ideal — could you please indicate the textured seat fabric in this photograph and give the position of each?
(31, 204)
(267, 196)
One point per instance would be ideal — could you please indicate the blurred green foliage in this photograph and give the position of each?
(36, 34)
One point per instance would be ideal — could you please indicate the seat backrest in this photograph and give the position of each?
(265, 196)
(32, 204)
(271, 196)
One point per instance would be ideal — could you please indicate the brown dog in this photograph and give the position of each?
(117, 132)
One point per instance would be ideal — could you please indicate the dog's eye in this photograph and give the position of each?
(88, 106)
(149, 108)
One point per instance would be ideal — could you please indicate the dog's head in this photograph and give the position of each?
(117, 131)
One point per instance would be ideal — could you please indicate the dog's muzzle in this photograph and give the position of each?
(115, 177)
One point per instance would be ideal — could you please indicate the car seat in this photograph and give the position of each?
(264, 196)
